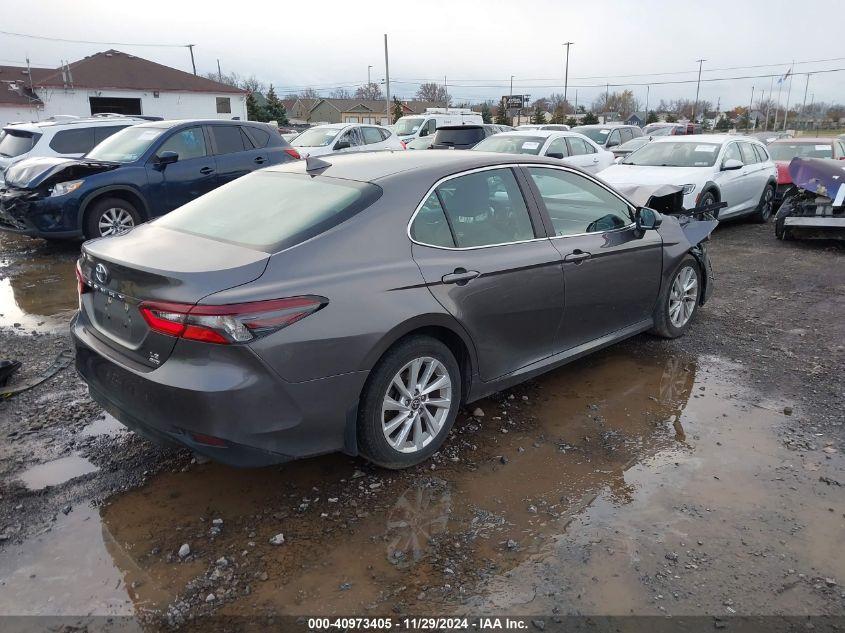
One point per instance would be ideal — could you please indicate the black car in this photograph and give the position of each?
(139, 173)
(461, 136)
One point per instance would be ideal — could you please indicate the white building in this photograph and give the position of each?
(117, 83)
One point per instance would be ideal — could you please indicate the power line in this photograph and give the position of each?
(68, 41)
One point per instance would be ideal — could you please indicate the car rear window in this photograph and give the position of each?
(274, 210)
(16, 142)
(511, 144)
(458, 136)
(73, 141)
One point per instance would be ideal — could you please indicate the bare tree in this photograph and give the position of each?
(230, 79)
(622, 102)
(309, 93)
(252, 84)
(341, 93)
(371, 91)
(557, 102)
(432, 91)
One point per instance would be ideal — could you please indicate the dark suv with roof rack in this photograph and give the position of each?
(138, 173)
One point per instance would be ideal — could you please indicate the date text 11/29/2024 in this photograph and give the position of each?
(418, 624)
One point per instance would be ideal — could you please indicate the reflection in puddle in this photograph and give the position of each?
(607, 432)
(40, 293)
(108, 425)
(56, 472)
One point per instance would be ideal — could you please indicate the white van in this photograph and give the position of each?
(414, 126)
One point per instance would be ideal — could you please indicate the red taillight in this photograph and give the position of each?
(292, 153)
(783, 173)
(209, 440)
(404, 145)
(81, 285)
(231, 323)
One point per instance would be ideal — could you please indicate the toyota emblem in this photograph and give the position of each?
(101, 273)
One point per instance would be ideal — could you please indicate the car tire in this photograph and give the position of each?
(781, 232)
(110, 216)
(707, 198)
(676, 295)
(399, 430)
(763, 212)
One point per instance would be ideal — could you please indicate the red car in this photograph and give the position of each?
(784, 150)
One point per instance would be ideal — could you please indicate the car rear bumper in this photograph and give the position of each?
(827, 222)
(228, 394)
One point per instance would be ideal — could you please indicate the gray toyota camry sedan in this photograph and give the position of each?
(355, 304)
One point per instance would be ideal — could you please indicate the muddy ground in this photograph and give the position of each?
(700, 476)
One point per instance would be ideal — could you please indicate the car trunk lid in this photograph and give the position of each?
(153, 264)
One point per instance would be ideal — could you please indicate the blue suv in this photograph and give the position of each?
(139, 173)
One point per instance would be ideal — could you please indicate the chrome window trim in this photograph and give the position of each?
(565, 168)
(458, 175)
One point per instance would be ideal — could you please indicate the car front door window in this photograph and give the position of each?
(188, 144)
(558, 146)
(577, 205)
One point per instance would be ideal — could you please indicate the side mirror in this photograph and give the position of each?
(732, 164)
(166, 158)
(647, 219)
(555, 155)
(342, 144)
(612, 144)
(423, 132)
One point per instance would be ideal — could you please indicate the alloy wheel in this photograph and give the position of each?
(115, 221)
(683, 296)
(766, 206)
(416, 404)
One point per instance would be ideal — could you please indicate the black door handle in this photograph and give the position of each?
(461, 276)
(260, 160)
(206, 170)
(577, 257)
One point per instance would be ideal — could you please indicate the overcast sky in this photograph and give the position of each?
(476, 45)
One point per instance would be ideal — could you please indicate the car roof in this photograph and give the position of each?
(175, 122)
(807, 140)
(38, 126)
(541, 133)
(607, 125)
(434, 163)
(703, 138)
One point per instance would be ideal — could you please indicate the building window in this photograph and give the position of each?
(224, 105)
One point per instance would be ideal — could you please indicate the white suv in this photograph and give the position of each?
(65, 136)
(711, 168)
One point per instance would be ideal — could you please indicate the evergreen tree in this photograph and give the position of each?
(486, 115)
(502, 115)
(652, 117)
(559, 115)
(571, 121)
(254, 112)
(538, 117)
(398, 113)
(275, 109)
(590, 119)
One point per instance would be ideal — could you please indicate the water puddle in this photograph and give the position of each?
(572, 498)
(107, 425)
(56, 472)
(39, 293)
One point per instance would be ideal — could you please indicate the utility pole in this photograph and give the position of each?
(804, 103)
(697, 89)
(647, 92)
(777, 105)
(509, 96)
(369, 81)
(566, 72)
(193, 65)
(788, 94)
(575, 111)
(750, 107)
(219, 72)
(812, 109)
(769, 102)
(446, 91)
(386, 80)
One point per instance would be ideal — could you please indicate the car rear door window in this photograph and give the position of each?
(577, 205)
(626, 134)
(188, 144)
(558, 146)
(259, 137)
(371, 135)
(227, 139)
(485, 208)
(430, 225)
(762, 156)
(73, 141)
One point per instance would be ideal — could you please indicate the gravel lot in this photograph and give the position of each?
(701, 476)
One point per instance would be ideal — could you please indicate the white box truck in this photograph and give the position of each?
(414, 126)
